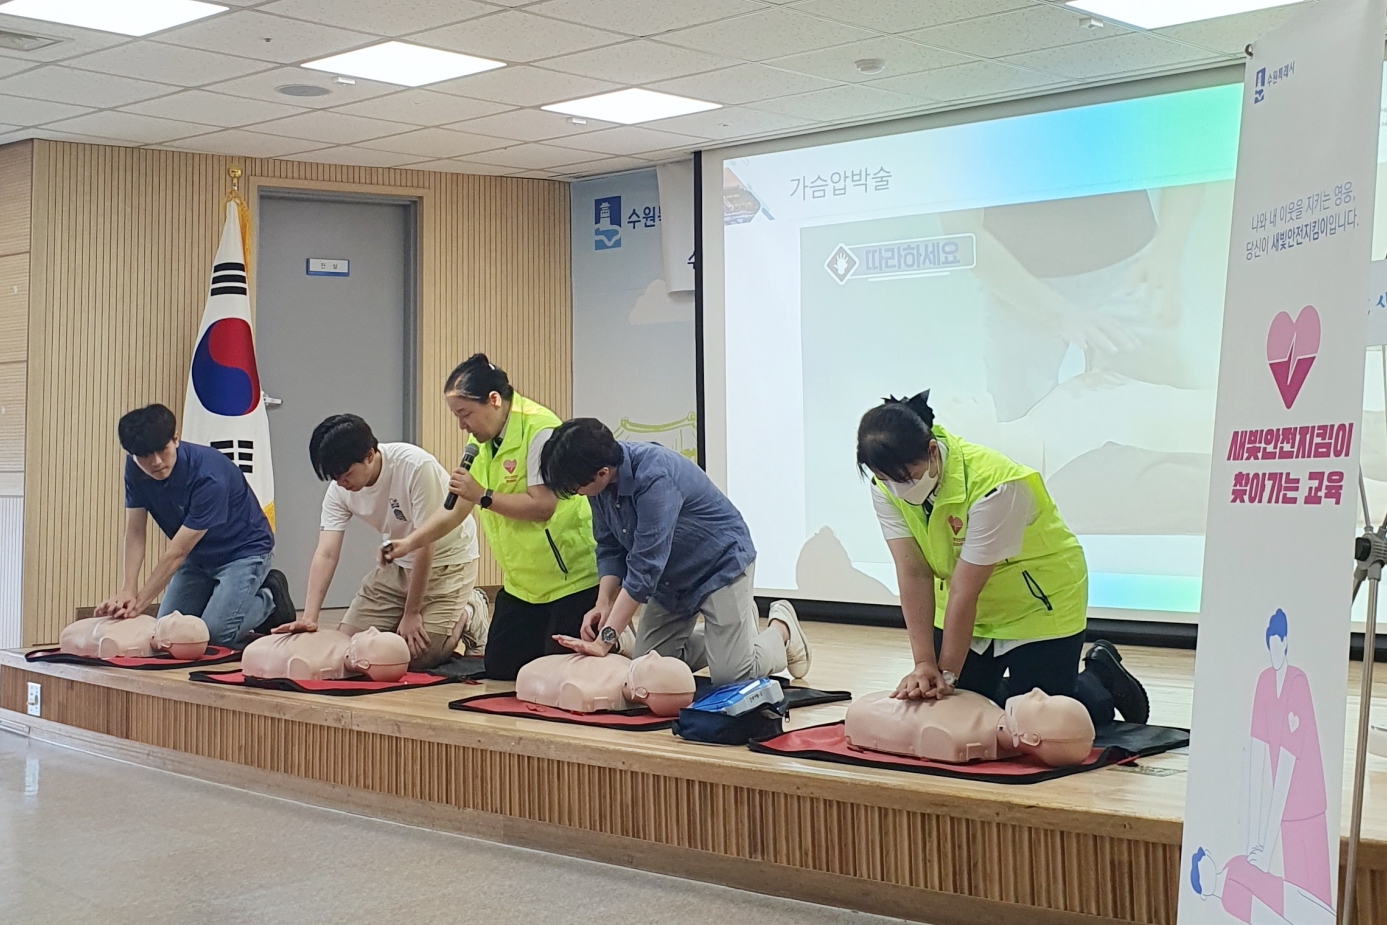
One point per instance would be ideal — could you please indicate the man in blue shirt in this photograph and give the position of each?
(217, 565)
(668, 539)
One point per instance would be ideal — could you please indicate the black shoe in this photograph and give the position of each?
(283, 611)
(1127, 693)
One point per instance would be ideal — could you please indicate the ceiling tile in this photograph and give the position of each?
(129, 127)
(1230, 34)
(639, 62)
(643, 17)
(422, 107)
(333, 127)
(437, 143)
(979, 80)
(527, 125)
(347, 154)
(455, 166)
(82, 88)
(1012, 33)
(244, 33)
(525, 86)
(597, 168)
(54, 135)
(630, 139)
(745, 83)
(10, 66)
(770, 33)
(245, 144)
(262, 86)
(732, 122)
(514, 35)
(212, 108)
(849, 102)
(397, 17)
(74, 41)
(533, 157)
(905, 15)
(1124, 54)
(170, 64)
(901, 57)
(36, 112)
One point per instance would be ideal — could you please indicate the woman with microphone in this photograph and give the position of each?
(993, 584)
(544, 545)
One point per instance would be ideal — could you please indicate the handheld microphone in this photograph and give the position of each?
(468, 455)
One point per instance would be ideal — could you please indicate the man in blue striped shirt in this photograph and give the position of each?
(668, 539)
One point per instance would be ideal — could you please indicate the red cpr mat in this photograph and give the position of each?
(509, 705)
(1120, 743)
(345, 687)
(215, 655)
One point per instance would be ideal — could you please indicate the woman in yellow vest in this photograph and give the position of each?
(544, 545)
(993, 584)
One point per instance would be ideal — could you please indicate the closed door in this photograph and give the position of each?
(330, 344)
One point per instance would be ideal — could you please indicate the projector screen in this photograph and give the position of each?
(1056, 279)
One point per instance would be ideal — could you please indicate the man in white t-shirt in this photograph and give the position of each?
(429, 596)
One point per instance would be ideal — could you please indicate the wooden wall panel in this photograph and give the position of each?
(14, 306)
(15, 178)
(122, 240)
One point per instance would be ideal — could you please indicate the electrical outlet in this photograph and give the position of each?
(35, 705)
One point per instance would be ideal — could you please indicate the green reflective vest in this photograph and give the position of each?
(540, 562)
(1042, 592)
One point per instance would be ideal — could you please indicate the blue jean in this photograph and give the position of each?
(229, 597)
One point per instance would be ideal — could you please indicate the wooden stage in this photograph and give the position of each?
(1099, 846)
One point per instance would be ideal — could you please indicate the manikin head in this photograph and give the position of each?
(379, 656)
(343, 450)
(148, 435)
(665, 685)
(581, 458)
(897, 445)
(1057, 730)
(181, 635)
(479, 395)
(1276, 639)
(1203, 873)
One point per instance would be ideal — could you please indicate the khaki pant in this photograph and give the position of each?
(380, 603)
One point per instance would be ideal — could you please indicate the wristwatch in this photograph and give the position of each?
(950, 678)
(612, 640)
(485, 501)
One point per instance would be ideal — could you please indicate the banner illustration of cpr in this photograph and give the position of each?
(223, 405)
(1261, 835)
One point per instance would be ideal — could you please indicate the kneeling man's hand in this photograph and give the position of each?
(582, 646)
(121, 607)
(412, 629)
(298, 626)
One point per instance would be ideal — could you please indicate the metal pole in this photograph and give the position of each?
(1365, 702)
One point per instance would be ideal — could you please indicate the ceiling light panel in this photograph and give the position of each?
(627, 107)
(125, 17)
(1157, 14)
(403, 63)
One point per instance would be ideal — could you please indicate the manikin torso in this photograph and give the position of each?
(327, 655)
(589, 684)
(319, 656)
(965, 726)
(107, 637)
(577, 683)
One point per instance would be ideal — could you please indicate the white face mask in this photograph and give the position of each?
(917, 491)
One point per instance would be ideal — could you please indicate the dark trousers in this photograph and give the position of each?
(1050, 664)
(521, 632)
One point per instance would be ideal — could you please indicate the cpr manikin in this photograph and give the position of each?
(327, 655)
(180, 635)
(591, 684)
(965, 726)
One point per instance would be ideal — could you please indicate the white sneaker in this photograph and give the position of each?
(626, 642)
(798, 654)
(476, 623)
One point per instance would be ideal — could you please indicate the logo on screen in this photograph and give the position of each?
(606, 223)
(1291, 349)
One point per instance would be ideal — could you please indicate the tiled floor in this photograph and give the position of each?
(93, 841)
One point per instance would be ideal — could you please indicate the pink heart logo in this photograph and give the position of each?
(1291, 350)
(510, 464)
(955, 525)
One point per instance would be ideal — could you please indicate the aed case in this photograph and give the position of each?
(739, 698)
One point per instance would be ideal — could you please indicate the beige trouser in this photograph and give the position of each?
(380, 603)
